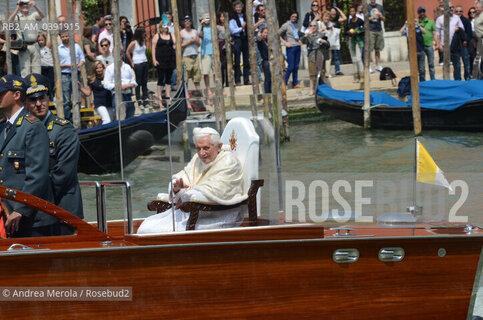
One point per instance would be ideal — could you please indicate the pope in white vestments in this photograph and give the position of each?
(214, 175)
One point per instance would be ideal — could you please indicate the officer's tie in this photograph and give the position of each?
(8, 126)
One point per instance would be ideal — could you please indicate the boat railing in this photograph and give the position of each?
(100, 204)
(101, 201)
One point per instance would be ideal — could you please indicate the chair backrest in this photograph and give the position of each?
(241, 136)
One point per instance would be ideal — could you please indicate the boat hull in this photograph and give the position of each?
(273, 279)
(468, 117)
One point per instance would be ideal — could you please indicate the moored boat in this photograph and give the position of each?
(445, 105)
(100, 149)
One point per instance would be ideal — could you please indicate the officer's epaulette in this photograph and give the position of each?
(61, 121)
(30, 118)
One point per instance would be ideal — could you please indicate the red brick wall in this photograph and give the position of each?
(430, 5)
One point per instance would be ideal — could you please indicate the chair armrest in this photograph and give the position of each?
(252, 201)
(194, 208)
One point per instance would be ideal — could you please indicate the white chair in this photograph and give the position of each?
(240, 135)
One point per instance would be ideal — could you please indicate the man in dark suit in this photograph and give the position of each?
(64, 147)
(238, 31)
(466, 38)
(24, 156)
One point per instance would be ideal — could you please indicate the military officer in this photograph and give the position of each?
(64, 147)
(24, 156)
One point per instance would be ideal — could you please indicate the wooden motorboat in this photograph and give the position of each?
(390, 113)
(275, 272)
(100, 150)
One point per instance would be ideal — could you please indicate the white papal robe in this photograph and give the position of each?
(219, 182)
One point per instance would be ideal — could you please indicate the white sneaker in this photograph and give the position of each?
(370, 70)
(379, 68)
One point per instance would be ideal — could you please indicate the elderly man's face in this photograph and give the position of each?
(206, 151)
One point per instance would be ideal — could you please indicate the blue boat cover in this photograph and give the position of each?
(434, 94)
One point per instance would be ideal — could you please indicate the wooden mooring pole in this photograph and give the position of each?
(229, 62)
(74, 71)
(120, 107)
(413, 67)
(367, 76)
(54, 39)
(179, 58)
(252, 53)
(219, 99)
(446, 47)
(275, 63)
(8, 54)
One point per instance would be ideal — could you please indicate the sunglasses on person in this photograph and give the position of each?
(459, 11)
(472, 12)
(313, 25)
(108, 24)
(104, 45)
(315, 5)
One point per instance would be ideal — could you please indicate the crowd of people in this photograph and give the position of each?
(92, 52)
(462, 39)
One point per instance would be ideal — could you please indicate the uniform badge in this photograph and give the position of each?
(233, 140)
(16, 165)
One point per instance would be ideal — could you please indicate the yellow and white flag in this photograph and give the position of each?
(427, 170)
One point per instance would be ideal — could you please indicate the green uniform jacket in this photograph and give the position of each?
(24, 165)
(64, 155)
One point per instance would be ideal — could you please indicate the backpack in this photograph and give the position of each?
(404, 87)
(388, 74)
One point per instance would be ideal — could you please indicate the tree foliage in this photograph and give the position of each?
(94, 8)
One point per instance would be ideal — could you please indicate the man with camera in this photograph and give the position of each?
(29, 55)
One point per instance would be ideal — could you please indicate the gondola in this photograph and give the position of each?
(100, 150)
(445, 105)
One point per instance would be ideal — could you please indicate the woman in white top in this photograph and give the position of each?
(46, 61)
(136, 55)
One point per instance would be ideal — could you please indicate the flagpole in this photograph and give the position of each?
(415, 173)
